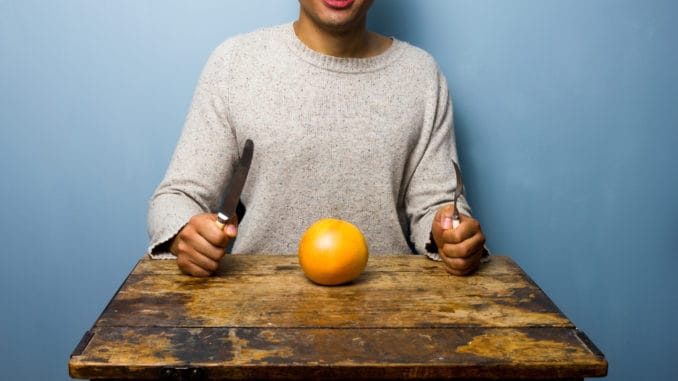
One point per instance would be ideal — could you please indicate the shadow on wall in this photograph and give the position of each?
(393, 18)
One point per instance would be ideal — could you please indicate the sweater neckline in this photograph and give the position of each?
(341, 64)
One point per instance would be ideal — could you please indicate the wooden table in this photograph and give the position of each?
(404, 318)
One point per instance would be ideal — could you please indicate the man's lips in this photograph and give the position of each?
(338, 4)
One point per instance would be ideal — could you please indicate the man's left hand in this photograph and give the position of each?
(460, 248)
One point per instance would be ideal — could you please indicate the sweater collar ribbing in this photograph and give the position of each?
(341, 64)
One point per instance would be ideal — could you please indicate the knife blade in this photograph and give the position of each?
(459, 191)
(232, 194)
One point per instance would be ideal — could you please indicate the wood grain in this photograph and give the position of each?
(403, 318)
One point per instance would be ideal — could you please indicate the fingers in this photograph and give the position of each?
(188, 267)
(200, 245)
(462, 266)
(462, 248)
(469, 228)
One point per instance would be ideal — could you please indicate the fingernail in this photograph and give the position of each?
(447, 222)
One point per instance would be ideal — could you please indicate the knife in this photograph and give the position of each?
(457, 193)
(235, 187)
(455, 216)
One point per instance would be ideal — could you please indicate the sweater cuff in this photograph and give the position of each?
(432, 249)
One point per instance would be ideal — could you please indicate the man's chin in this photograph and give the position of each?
(340, 25)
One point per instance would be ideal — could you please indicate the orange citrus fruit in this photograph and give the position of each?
(332, 252)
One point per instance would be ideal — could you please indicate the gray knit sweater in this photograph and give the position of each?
(366, 140)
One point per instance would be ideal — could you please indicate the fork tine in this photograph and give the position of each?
(459, 189)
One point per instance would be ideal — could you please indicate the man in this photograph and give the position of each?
(346, 123)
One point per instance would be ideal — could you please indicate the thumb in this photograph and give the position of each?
(445, 215)
(231, 230)
(441, 222)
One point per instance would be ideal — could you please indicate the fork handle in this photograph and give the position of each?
(455, 216)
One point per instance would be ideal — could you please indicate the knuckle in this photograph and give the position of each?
(189, 268)
(454, 271)
(449, 236)
(183, 248)
(474, 223)
(456, 251)
(183, 236)
(182, 261)
(460, 266)
(211, 266)
(458, 263)
(184, 264)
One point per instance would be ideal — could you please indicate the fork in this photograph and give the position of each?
(457, 193)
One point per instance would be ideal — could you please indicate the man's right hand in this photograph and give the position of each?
(200, 245)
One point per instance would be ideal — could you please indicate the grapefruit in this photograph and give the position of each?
(332, 252)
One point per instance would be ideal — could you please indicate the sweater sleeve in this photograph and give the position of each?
(433, 182)
(201, 161)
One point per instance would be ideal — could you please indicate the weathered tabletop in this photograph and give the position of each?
(404, 318)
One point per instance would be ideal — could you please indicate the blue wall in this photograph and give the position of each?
(566, 118)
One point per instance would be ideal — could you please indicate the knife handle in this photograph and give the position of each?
(222, 220)
(455, 223)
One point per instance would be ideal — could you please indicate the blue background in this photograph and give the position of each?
(566, 115)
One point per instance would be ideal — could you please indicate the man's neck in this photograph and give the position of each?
(357, 42)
